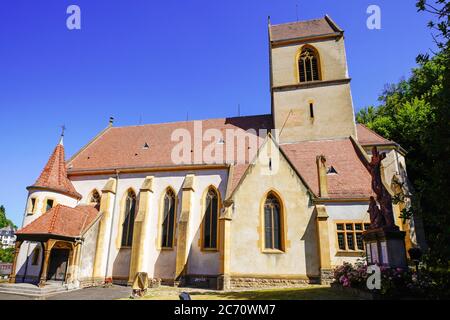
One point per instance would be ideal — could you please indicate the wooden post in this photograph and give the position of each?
(12, 278)
(47, 250)
(71, 264)
(76, 267)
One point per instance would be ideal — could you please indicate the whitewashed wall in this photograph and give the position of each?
(159, 263)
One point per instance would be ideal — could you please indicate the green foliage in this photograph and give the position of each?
(441, 9)
(396, 282)
(416, 114)
(5, 222)
(7, 255)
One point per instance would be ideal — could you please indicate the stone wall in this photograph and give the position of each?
(250, 283)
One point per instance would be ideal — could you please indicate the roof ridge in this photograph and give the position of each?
(298, 22)
(191, 121)
(53, 220)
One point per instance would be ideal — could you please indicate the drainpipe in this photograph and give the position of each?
(112, 225)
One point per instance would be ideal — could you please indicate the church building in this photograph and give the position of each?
(286, 215)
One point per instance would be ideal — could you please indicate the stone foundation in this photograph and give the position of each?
(91, 282)
(326, 276)
(249, 282)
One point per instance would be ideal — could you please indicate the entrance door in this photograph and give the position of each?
(58, 265)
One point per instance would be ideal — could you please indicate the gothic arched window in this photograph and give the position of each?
(168, 224)
(273, 223)
(95, 199)
(128, 222)
(210, 220)
(308, 65)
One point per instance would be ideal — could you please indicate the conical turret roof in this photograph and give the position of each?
(54, 176)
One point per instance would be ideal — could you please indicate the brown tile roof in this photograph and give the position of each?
(54, 175)
(303, 29)
(367, 137)
(62, 221)
(352, 179)
(123, 147)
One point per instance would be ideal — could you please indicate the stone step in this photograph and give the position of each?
(32, 290)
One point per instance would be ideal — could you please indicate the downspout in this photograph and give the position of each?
(112, 225)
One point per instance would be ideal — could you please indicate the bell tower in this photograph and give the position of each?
(310, 86)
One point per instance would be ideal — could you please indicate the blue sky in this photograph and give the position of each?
(155, 61)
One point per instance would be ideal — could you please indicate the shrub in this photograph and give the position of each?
(396, 282)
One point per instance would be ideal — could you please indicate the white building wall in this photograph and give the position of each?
(41, 202)
(88, 249)
(25, 270)
(159, 263)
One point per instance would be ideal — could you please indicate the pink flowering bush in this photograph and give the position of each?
(395, 282)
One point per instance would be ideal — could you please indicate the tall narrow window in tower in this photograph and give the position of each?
(128, 223)
(168, 225)
(311, 110)
(272, 223)
(210, 220)
(308, 65)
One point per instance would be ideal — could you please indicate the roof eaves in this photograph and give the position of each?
(309, 37)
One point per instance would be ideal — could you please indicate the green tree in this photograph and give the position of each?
(416, 114)
(7, 255)
(4, 221)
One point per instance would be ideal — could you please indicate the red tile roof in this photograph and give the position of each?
(367, 137)
(302, 29)
(54, 175)
(352, 179)
(62, 221)
(123, 147)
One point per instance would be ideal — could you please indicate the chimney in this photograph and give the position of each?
(323, 180)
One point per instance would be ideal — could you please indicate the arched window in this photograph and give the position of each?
(308, 65)
(95, 199)
(128, 222)
(168, 224)
(273, 223)
(210, 219)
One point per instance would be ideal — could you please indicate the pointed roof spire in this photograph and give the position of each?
(54, 176)
(63, 129)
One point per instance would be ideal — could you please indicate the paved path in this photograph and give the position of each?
(97, 293)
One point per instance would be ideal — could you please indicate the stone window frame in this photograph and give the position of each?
(31, 209)
(354, 232)
(161, 220)
(122, 218)
(45, 203)
(203, 212)
(318, 59)
(283, 224)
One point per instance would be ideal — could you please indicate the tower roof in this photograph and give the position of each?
(304, 29)
(54, 175)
